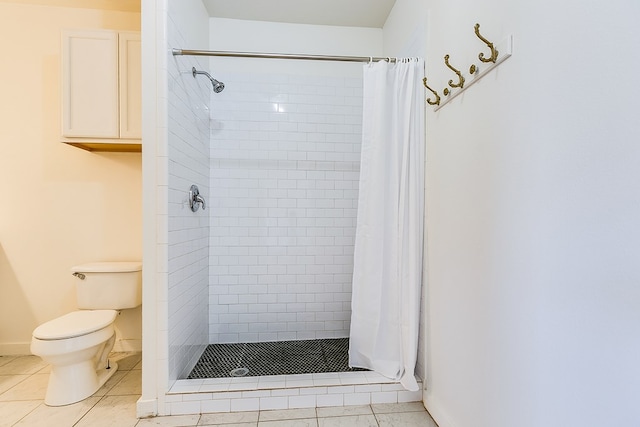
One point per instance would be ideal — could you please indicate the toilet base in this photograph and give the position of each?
(73, 383)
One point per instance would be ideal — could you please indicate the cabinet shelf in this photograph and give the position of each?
(120, 146)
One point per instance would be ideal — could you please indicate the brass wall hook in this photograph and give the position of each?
(494, 51)
(460, 83)
(429, 101)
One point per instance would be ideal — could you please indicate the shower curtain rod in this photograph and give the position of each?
(177, 52)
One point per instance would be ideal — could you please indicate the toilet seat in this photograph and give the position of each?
(75, 324)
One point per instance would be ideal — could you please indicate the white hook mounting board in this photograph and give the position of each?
(505, 49)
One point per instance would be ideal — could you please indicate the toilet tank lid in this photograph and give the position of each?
(108, 267)
(75, 324)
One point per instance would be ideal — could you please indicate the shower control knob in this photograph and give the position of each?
(195, 199)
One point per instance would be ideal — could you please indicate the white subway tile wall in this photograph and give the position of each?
(285, 161)
(188, 232)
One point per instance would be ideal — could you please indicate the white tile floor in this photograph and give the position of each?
(23, 382)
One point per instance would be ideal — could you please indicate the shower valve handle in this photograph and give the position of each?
(195, 199)
(200, 200)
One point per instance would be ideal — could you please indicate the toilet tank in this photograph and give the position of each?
(108, 285)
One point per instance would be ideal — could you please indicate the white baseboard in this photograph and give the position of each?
(146, 408)
(435, 410)
(15, 348)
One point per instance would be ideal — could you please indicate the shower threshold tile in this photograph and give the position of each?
(376, 378)
(321, 375)
(240, 380)
(323, 382)
(243, 386)
(298, 377)
(352, 374)
(276, 378)
(353, 378)
(213, 388)
(329, 379)
(270, 385)
(300, 383)
(352, 381)
(186, 387)
(216, 381)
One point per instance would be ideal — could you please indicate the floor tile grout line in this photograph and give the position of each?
(89, 410)
(41, 401)
(131, 367)
(26, 377)
(27, 414)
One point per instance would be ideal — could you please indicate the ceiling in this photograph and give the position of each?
(350, 13)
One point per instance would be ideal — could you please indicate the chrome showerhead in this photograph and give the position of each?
(218, 86)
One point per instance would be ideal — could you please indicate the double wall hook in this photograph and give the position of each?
(460, 83)
(494, 51)
(429, 101)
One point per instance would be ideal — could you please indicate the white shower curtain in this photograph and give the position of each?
(387, 274)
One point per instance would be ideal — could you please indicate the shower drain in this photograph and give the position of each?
(239, 372)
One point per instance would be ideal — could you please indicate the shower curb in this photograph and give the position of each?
(241, 394)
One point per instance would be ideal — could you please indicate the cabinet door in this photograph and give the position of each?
(130, 56)
(90, 84)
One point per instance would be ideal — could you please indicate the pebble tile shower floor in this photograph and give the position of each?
(274, 358)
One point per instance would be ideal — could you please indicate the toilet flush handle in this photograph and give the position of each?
(79, 275)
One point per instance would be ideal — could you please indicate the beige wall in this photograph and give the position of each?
(59, 205)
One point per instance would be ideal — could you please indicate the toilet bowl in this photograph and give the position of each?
(77, 345)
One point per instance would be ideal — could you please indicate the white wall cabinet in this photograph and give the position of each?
(101, 90)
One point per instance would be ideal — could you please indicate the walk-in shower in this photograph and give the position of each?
(283, 190)
(283, 180)
(284, 170)
(276, 155)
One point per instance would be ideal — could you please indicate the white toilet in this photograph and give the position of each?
(77, 345)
